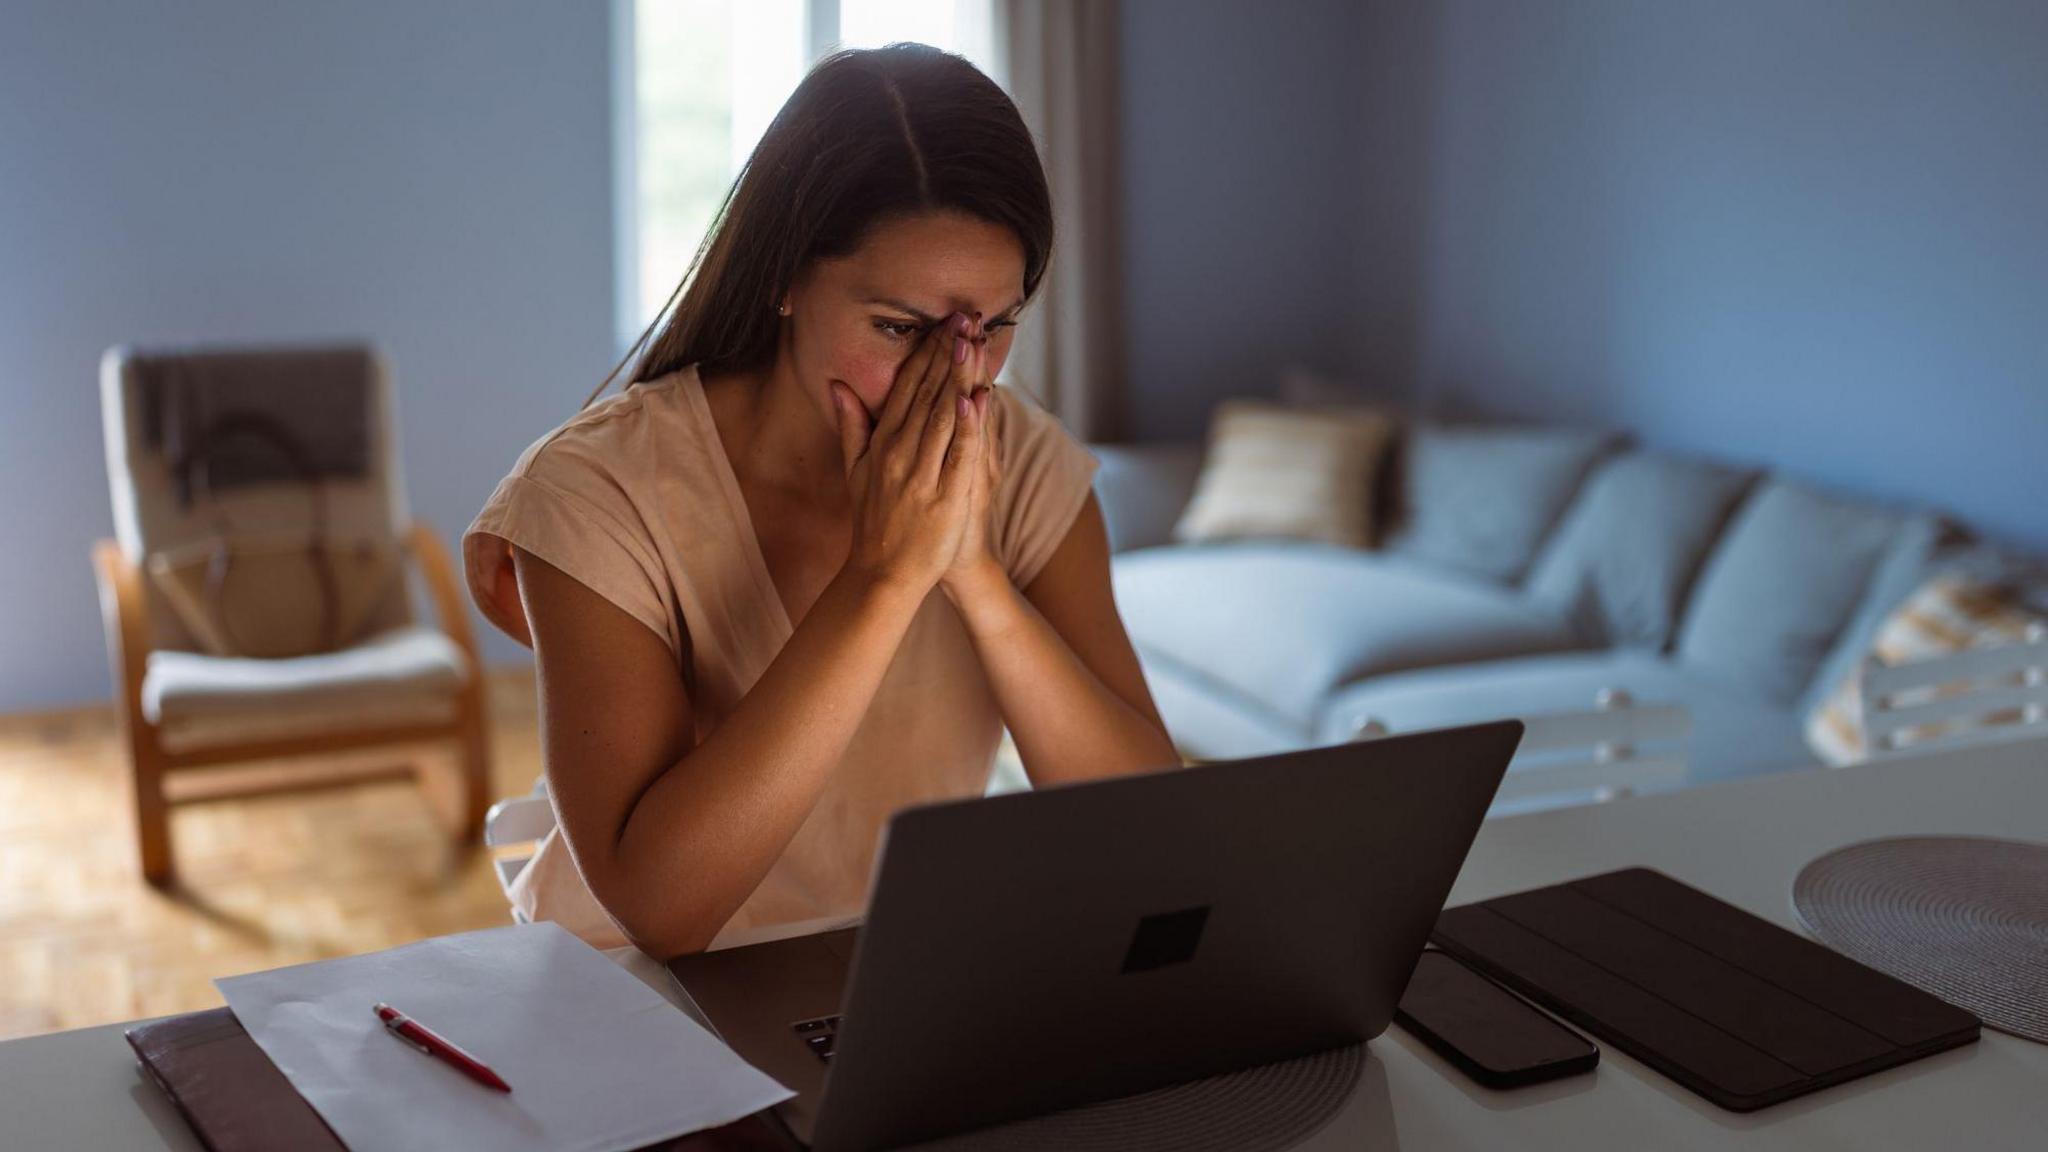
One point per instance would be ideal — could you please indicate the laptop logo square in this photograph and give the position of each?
(1165, 938)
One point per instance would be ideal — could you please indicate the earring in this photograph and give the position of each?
(782, 309)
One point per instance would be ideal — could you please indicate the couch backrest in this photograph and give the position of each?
(1481, 500)
(1623, 561)
(1143, 488)
(1794, 570)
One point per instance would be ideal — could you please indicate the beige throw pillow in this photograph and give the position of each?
(272, 595)
(1273, 471)
(1950, 614)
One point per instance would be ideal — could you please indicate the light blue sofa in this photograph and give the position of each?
(1526, 570)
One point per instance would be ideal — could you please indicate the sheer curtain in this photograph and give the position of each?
(1062, 61)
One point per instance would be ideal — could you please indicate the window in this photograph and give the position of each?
(705, 78)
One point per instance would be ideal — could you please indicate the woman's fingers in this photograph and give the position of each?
(995, 444)
(942, 371)
(947, 410)
(983, 395)
(984, 401)
(909, 377)
(969, 465)
(855, 428)
(963, 452)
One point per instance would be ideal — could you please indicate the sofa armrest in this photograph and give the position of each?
(1143, 488)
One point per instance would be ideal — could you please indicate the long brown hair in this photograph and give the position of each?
(869, 135)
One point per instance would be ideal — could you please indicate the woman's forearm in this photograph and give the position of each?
(708, 829)
(1068, 725)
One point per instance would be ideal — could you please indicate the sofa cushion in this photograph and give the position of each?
(1781, 585)
(1733, 733)
(1276, 472)
(1907, 563)
(1210, 720)
(1142, 489)
(1283, 623)
(1623, 560)
(1481, 500)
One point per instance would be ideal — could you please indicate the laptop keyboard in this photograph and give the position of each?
(818, 1035)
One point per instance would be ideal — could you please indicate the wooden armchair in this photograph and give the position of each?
(197, 723)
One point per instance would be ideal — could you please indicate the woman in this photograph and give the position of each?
(805, 567)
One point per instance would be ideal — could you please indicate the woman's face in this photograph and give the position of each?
(857, 318)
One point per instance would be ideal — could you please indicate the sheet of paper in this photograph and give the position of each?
(597, 1060)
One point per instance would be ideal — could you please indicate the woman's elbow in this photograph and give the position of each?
(653, 912)
(667, 940)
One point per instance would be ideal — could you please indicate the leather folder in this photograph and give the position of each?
(1733, 1007)
(235, 1099)
(228, 1090)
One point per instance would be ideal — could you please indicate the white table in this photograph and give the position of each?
(1742, 841)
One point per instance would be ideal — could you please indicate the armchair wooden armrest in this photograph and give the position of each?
(125, 615)
(462, 801)
(437, 567)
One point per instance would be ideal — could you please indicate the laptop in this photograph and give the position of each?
(1035, 951)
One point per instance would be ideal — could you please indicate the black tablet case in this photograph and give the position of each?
(1729, 1005)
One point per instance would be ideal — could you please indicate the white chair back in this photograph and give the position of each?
(148, 395)
(512, 828)
(1589, 757)
(1975, 696)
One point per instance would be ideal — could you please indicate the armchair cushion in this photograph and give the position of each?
(395, 670)
(271, 603)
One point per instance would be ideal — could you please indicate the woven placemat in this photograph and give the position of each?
(1261, 1109)
(1962, 917)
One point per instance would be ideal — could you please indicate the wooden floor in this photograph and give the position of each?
(264, 882)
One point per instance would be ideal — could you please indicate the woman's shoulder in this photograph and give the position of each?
(1047, 474)
(1030, 431)
(1024, 421)
(1017, 402)
(620, 436)
(587, 497)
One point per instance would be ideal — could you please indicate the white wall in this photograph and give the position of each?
(435, 176)
(1808, 236)
(1244, 164)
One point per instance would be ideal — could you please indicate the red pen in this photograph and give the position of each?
(421, 1037)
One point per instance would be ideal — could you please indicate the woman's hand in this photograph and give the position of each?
(976, 563)
(912, 471)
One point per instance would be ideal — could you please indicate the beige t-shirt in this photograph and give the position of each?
(634, 498)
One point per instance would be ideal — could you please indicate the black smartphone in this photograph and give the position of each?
(1491, 1034)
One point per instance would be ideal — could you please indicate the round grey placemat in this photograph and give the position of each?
(1962, 917)
(1260, 1109)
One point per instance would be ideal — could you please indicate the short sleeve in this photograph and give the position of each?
(1046, 477)
(565, 510)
